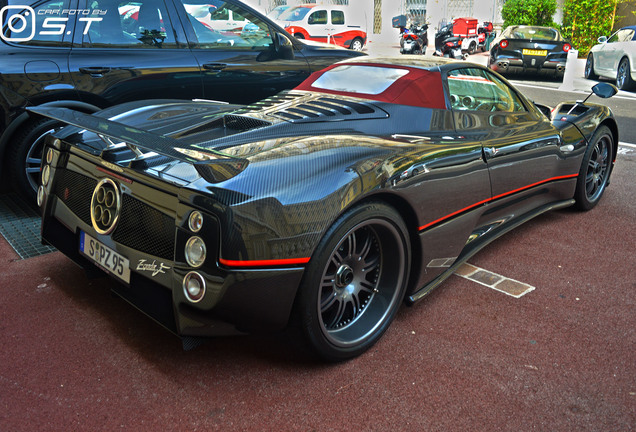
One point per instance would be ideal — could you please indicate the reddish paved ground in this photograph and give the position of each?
(561, 358)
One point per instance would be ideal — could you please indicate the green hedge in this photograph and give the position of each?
(529, 12)
(584, 21)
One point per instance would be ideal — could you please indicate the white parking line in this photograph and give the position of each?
(624, 144)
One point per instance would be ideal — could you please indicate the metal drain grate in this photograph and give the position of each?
(20, 226)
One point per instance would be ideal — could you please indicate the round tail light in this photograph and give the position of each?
(567, 47)
(46, 175)
(41, 195)
(195, 251)
(503, 43)
(194, 287)
(195, 221)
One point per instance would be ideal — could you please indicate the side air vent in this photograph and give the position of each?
(578, 109)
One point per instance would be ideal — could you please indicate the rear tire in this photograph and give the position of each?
(355, 282)
(595, 170)
(589, 67)
(25, 156)
(357, 44)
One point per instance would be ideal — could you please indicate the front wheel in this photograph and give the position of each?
(357, 44)
(595, 170)
(624, 79)
(355, 282)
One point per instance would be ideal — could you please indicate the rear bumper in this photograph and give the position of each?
(528, 65)
(246, 301)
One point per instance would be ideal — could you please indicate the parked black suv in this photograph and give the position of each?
(90, 54)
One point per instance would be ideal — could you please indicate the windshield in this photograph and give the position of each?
(347, 79)
(296, 13)
(526, 32)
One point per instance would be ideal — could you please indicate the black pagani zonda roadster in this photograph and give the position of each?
(332, 203)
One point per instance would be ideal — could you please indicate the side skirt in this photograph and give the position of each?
(466, 255)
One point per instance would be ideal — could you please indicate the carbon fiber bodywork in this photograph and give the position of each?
(270, 179)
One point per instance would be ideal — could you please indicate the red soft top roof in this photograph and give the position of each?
(420, 87)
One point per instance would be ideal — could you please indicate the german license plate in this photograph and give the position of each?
(105, 257)
(538, 53)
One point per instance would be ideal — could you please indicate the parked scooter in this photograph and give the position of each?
(448, 45)
(413, 40)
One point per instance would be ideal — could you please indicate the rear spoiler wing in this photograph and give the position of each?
(212, 165)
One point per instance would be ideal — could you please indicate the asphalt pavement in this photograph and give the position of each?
(561, 357)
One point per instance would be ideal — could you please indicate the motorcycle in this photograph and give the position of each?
(413, 40)
(448, 45)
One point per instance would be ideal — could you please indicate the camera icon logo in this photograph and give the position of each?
(20, 20)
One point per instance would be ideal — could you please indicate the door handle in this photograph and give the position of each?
(94, 70)
(214, 66)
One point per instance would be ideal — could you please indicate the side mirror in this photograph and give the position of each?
(602, 39)
(604, 90)
(283, 46)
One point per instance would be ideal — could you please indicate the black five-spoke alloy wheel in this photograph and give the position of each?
(355, 282)
(595, 169)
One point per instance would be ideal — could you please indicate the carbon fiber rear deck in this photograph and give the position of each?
(20, 226)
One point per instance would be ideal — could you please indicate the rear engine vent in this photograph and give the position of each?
(284, 96)
(325, 108)
(237, 123)
(355, 106)
(241, 123)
